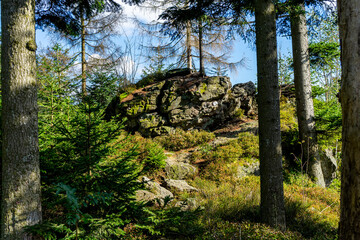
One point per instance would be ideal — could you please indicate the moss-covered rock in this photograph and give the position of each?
(180, 171)
(187, 102)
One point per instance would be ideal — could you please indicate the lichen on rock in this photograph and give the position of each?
(187, 102)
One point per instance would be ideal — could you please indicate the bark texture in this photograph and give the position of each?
(201, 55)
(304, 102)
(272, 194)
(20, 160)
(188, 44)
(349, 22)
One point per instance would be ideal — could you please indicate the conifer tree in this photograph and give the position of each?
(80, 21)
(304, 102)
(210, 34)
(272, 194)
(349, 15)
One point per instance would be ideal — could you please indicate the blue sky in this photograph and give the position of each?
(240, 50)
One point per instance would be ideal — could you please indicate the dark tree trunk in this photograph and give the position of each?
(20, 154)
(83, 56)
(349, 15)
(201, 56)
(188, 44)
(272, 194)
(304, 102)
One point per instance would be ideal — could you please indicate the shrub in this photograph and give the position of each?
(172, 222)
(184, 139)
(149, 153)
(222, 162)
(288, 120)
(151, 75)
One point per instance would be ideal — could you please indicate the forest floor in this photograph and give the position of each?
(228, 186)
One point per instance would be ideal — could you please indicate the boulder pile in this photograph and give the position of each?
(187, 102)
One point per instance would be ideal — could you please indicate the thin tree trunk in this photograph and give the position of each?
(21, 204)
(272, 194)
(83, 56)
(202, 69)
(304, 102)
(349, 22)
(188, 44)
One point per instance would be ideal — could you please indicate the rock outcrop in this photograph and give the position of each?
(186, 102)
(329, 166)
(152, 191)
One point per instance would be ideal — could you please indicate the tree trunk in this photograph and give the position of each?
(349, 15)
(83, 56)
(304, 102)
(188, 44)
(272, 194)
(20, 154)
(202, 69)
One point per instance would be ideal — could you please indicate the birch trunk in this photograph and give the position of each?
(20, 156)
(272, 193)
(349, 22)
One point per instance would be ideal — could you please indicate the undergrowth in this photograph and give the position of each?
(223, 161)
(231, 210)
(184, 139)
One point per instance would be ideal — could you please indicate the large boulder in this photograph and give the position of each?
(180, 170)
(328, 165)
(244, 93)
(152, 191)
(179, 185)
(185, 102)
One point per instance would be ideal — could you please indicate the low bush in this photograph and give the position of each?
(184, 139)
(223, 161)
(288, 120)
(149, 153)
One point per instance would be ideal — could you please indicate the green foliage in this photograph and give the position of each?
(328, 117)
(288, 120)
(172, 222)
(323, 53)
(239, 114)
(222, 162)
(222, 200)
(151, 75)
(150, 154)
(328, 114)
(184, 139)
(103, 201)
(324, 50)
(231, 209)
(65, 16)
(93, 197)
(155, 158)
(311, 210)
(102, 89)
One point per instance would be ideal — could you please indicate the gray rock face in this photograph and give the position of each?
(179, 185)
(328, 165)
(244, 93)
(153, 191)
(189, 204)
(252, 169)
(183, 102)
